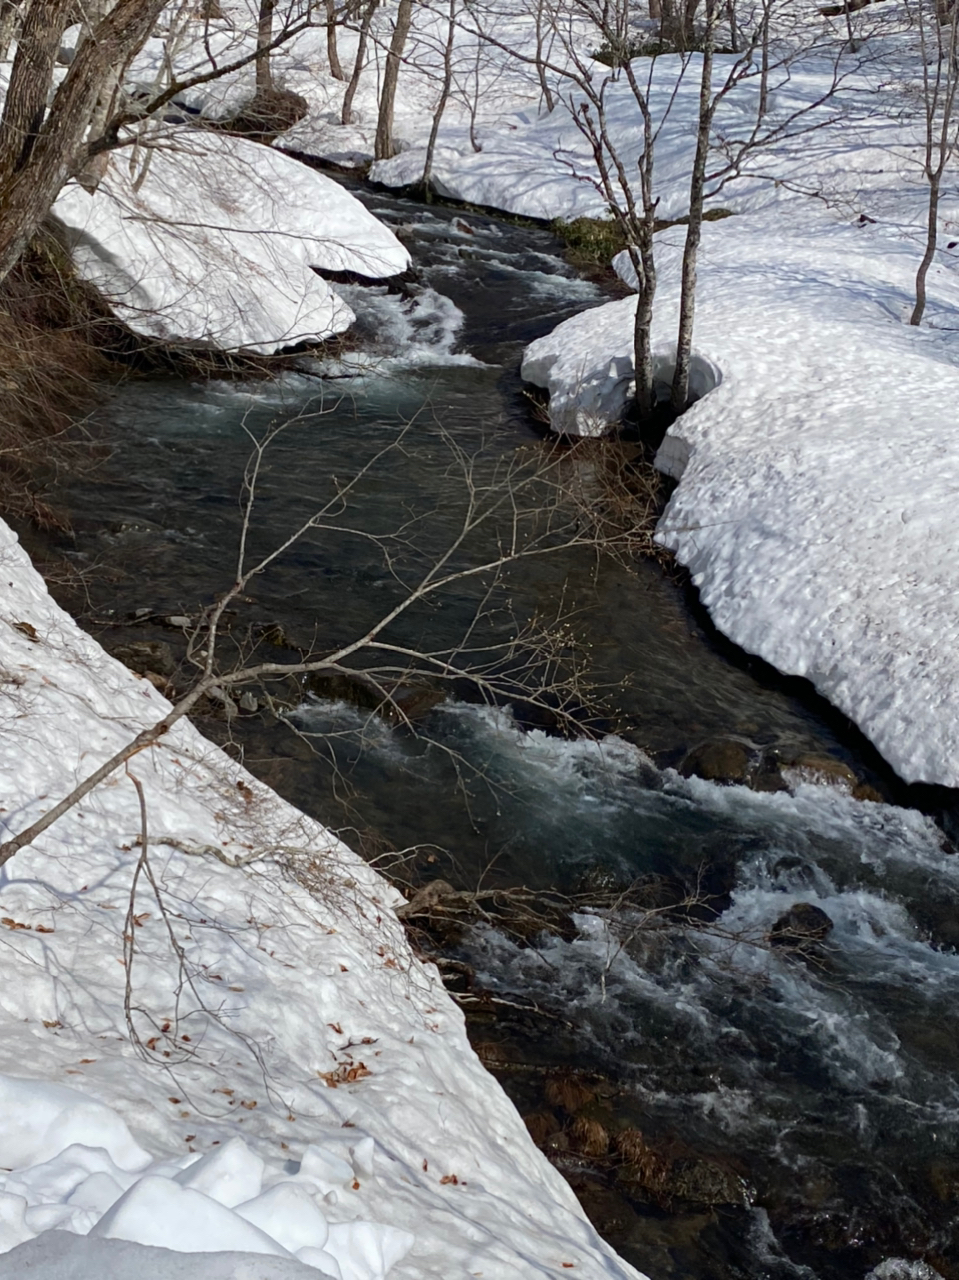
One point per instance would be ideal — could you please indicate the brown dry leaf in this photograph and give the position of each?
(43, 928)
(249, 1105)
(449, 1179)
(52, 1024)
(12, 924)
(27, 629)
(344, 1074)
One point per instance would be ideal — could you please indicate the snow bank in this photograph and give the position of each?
(541, 165)
(208, 238)
(819, 479)
(302, 1099)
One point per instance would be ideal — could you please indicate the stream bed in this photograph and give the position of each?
(756, 1110)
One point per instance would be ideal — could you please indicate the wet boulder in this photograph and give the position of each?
(800, 926)
(721, 760)
(824, 771)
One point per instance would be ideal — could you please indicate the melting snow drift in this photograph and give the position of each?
(210, 238)
(300, 1098)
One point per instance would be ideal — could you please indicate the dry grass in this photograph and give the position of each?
(589, 1137)
(619, 496)
(568, 1093)
(51, 364)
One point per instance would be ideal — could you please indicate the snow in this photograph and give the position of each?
(542, 165)
(202, 237)
(301, 1093)
(58, 1255)
(819, 472)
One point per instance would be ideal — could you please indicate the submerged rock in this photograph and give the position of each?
(146, 655)
(802, 924)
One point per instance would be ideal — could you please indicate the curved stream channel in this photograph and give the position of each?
(799, 1112)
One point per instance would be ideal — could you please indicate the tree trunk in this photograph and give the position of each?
(443, 100)
(332, 53)
(30, 81)
(59, 149)
(383, 146)
(697, 184)
(734, 41)
(764, 63)
(358, 64)
(643, 339)
(932, 237)
(264, 38)
(545, 90)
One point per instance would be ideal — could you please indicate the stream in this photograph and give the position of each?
(797, 1108)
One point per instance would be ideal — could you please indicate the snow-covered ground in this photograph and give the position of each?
(300, 1090)
(820, 473)
(819, 479)
(209, 238)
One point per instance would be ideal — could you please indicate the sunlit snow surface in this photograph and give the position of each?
(303, 1086)
(820, 479)
(209, 238)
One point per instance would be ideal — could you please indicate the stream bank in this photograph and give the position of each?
(827, 1091)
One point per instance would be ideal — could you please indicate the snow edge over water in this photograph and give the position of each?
(303, 1022)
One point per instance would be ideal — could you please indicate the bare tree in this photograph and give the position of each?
(264, 45)
(332, 52)
(444, 97)
(697, 192)
(359, 62)
(52, 130)
(940, 79)
(383, 146)
(38, 154)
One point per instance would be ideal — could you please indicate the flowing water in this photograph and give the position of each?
(812, 1094)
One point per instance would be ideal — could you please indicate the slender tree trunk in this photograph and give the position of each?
(264, 38)
(764, 62)
(734, 41)
(643, 336)
(443, 99)
(383, 146)
(932, 237)
(940, 101)
(332, 53)
(59, 149)
(697, 184)
(474, 101)
(358, 64)
(545, 89)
